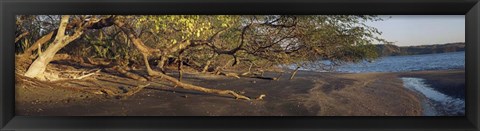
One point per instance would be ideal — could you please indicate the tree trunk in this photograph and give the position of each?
(205, 68)
(145, 50)
(180, 72)
(294, 72)
(180, 75)
(37, 68)
(161, 63)
(180, 64)
(130, 32)
(207, 65)
(149, 70)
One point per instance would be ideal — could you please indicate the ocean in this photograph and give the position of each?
(441, 61)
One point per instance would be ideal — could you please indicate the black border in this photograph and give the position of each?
(469, 8)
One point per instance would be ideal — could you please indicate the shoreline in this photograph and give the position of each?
(309, 94)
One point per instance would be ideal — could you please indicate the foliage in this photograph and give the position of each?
(263, 41)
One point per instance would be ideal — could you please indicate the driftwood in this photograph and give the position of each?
(203, 89)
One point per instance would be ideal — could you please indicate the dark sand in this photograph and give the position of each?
(309, 94)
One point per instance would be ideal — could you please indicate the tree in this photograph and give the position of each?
(219, 41)
(37, 68)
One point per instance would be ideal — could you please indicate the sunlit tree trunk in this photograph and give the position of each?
(38, 67)
(205, 68)
(149, 69)
(145, 50)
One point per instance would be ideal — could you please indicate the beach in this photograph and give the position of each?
(308, 94)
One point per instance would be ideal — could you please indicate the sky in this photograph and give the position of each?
(408, 30)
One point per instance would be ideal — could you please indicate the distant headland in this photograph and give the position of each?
(393, 50)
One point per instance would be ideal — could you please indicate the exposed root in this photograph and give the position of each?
(56, 84)
(63, 75)
(96, 89)
(38, 83)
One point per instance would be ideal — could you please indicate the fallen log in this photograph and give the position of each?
(202, 89)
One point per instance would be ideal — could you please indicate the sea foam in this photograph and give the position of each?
(443, 104)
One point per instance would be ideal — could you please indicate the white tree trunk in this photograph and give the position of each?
(37, 68)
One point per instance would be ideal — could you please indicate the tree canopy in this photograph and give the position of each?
(201, 42)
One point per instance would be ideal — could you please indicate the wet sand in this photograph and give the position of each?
(309, 94)
(449, 82)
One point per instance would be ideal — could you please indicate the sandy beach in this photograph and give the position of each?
(309, 94)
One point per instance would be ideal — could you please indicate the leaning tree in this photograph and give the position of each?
(205, 40)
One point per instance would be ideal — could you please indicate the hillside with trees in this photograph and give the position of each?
(393, 50)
